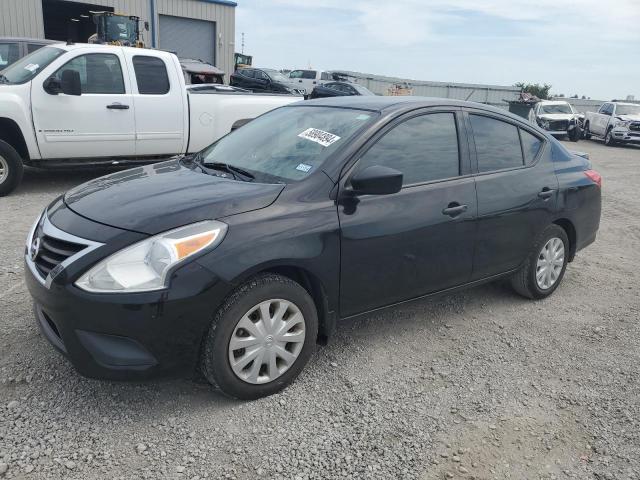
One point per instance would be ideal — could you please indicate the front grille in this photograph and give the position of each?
(634, 126)
(52, 252)
(559, 125)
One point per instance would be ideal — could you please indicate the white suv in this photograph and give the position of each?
(309, 78)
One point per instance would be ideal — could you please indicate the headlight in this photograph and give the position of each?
(144, 265)
(623, 123)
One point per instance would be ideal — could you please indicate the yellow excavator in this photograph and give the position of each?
(116, 29)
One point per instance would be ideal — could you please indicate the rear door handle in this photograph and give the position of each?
(454, 209)
(118, 106)
(546, 193)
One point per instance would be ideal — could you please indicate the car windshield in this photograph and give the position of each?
(628, 110)
(28, 67)
(362, 90)
(289, 143)
(277, 76)
(560, 108)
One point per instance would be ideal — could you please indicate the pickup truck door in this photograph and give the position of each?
(98, 123)
(602, 119)
(160, 100)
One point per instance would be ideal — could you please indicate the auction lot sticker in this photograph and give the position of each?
(319, 136)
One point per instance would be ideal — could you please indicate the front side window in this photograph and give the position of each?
(151, 75)
(26, 68)
(289, 143)
(497, 144)
(423, 148)
(605, 109)
(296, 74)
(99, 73)
(9, 53)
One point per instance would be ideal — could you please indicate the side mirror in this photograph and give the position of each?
(377, 180)
(70, 83)
(52, 86)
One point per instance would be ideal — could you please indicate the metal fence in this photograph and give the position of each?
(496, 95)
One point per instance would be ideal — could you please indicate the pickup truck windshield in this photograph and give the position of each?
(28, 67)
(628, 110)
(277, 76)
(555, 109)
(289, 143)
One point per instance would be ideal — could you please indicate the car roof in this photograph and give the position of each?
(398, 103)
(41, 41)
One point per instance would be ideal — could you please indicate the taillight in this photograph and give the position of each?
(594, 176)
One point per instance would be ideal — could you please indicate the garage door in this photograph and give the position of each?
(188, 37)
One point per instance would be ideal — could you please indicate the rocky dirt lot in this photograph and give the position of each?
(482, 384)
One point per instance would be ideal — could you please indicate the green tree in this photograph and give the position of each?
(537, 89)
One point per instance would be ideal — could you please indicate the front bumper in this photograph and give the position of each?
(121, 336)
(626, 135)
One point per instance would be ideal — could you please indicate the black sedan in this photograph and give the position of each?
(241, 258)
(264, 80)
(339, 89)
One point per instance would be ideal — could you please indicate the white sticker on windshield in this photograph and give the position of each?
(303, 167)
(319, 136)
(32, 67)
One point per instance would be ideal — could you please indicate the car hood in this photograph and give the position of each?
(556, 116)
(159, 197)
(629, 118)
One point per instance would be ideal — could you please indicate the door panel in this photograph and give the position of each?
(512, 208)
(83, 126)
(401, 246)
(404, 245)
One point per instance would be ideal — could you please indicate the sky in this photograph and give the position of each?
(586, 47)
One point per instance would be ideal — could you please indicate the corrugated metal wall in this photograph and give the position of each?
(490, 94)
(23, 18)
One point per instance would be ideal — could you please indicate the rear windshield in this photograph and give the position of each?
(28, 67)
(289, 143)
(564, 108)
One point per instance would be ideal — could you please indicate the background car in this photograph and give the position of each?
(13, 49)
(264, 80)
(558, 118)
(339, 89)
(309, 78)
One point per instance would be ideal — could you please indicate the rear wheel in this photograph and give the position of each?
(11, 168)
(545, 266)
(587, 133)
(261, 338)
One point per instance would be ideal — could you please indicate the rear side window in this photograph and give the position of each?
(151, 75)
(309, 74)
(100, 73)
(497, 144)
(423, 148)
(530, 146)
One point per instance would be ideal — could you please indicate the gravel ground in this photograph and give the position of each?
(482, 384)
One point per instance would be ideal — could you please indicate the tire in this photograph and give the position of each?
(587, 133)
(609, 141)
(11, 169)
(244, 305)
(575, 134)
(525, 281)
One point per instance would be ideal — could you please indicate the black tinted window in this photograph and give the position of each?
(497, 144)
(151, 75)
(530, 145)
(309, 74)
(99, 73)
(32, 47)
(9, 53)
(423, 148)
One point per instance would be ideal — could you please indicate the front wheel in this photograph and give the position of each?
(587, 133)
(11, 168)
(261, 338)
(545, 266)
(609, 141)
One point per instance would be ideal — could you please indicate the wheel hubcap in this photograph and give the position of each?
(4, 169)
(550, 263)
(267, 341)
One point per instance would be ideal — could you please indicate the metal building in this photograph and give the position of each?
(199, 29)
(496, 95)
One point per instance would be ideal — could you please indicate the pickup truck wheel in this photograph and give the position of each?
(11, 168)
(575, 134)
(609, 141)
(545, 266)
(587, 133)
(261, 338)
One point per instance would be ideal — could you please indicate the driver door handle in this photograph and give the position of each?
(118, 106)
(546, 193)
(454, 209)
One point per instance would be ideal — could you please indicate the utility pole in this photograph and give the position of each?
(242, 50)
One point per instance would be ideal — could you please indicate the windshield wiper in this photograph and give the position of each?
(233, 170)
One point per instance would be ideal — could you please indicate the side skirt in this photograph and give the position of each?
(62, 163)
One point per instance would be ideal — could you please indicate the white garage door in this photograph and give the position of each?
(188, 37)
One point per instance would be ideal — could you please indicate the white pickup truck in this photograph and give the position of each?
(69, 105)
(616, 122)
